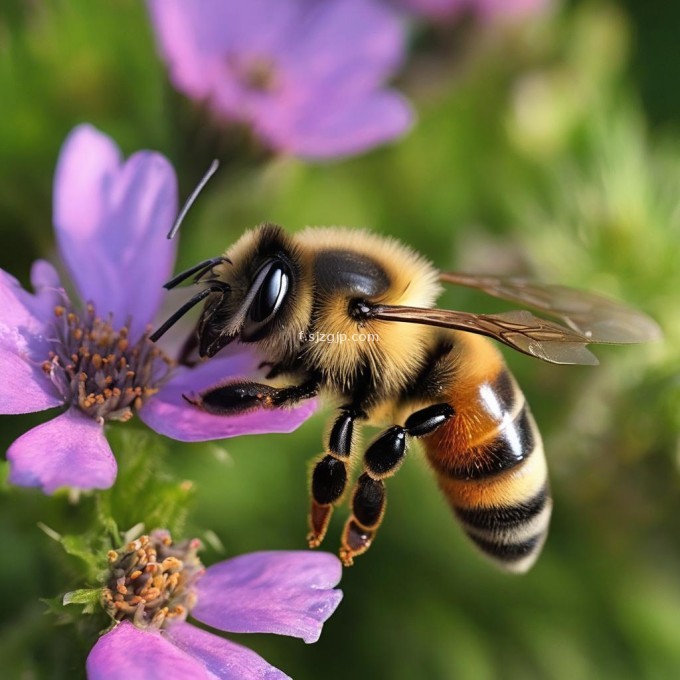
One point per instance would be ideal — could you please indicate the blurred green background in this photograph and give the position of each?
(550, 149)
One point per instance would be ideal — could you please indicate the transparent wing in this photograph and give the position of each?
(595, 317)
(520, 330)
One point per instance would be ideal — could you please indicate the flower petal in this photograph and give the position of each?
(170, 414)
(192, 36)
(222, 658)
(361, 42)
(69, 450)
(510, 9)
(24, 344)
(486, 9)
(24, 387)
(22, 311)
(316, 61)
(353, 126)
(111, 221)
(289, 593)
(128, 653)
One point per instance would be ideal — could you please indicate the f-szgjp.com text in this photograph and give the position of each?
(338, 337)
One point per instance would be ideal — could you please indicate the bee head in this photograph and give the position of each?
(255, 293)
(262, 276)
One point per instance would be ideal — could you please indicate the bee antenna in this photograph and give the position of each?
(194, 194)
(183, 310)
(199, 270)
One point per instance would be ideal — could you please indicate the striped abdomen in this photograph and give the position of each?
(490, 465)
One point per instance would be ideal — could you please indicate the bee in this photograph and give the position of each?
(398, 363)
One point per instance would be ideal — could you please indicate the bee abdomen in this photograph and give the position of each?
(497, 485)
(510, 534)
(514, 442)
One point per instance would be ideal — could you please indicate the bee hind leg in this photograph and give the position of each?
(329, 478)
(381, 460)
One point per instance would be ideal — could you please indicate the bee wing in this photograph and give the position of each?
(518, 329)
(595, 317)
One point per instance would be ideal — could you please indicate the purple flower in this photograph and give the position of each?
(153, 585)
(485, 9)
(307, 76)
(111, 219)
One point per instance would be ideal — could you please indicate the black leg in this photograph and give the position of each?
(368, 508)
(427, 420)
(241, 397)
(381, 460)
(329, 477)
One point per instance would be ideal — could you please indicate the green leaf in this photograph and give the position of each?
(89, 597)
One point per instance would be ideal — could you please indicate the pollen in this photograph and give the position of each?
(151, 580)
(97, 367)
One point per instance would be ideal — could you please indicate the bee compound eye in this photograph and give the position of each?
(271, 293)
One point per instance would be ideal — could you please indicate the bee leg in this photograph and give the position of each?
(381, 460)
(240, 397)
(368, 508)
(427, 420)
(329, 477)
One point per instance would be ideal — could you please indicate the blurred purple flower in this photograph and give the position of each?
(307, 76)
(485, 9)
(287, 593)
(111, 218)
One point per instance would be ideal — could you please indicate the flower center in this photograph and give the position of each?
(255, 72)
(151, 580)
(97, 368)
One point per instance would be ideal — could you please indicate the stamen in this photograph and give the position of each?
(152, 580)
(95, 366)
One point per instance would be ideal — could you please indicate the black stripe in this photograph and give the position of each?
(435, 376)
(511, 447)
(508, 552)
(504, 388)
(502, 518)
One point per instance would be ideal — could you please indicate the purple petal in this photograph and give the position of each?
(24, 345)
(128, 653)
(487, 9)
(356, 125)
(201, 41)
(69, 450)
(358, 43)
(24, 387)
(326, 60)
(222, 658)
(111, 221)
(289, 593)
(22, 311)
(193, 35)
(508, 8)
(168, 413)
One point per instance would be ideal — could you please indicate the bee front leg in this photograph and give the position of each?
(240, 397)
(329, 477)
(381, 460)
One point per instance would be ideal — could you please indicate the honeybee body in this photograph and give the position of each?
(489, 458)
(350, 315)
